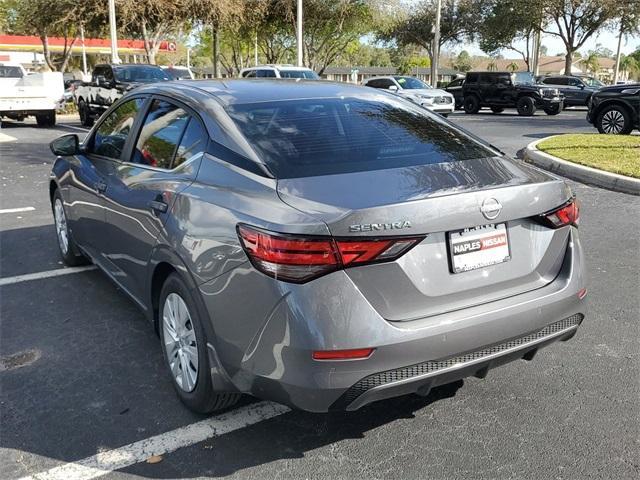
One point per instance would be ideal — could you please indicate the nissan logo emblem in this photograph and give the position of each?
(491, 208)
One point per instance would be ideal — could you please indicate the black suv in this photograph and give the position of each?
(500, 90)
(576, 90)
(615, 109)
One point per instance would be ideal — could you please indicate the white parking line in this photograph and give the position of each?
(17, 210)
(73, 128)
(47, 274)
(106, 462)
(6, 138)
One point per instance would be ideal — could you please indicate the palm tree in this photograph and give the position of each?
(492, 66)
(630, 65)
(513, 67)
(592, 63)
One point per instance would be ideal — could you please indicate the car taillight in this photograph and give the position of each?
(298, 258)
(567, 214)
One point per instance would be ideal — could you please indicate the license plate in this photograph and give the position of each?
(478, 247)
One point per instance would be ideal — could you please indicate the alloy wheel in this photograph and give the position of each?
(61, 226)
(613, 121)
(180, 342)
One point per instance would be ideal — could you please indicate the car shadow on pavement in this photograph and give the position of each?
(289, 436)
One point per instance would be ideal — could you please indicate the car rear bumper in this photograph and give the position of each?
(273, 360)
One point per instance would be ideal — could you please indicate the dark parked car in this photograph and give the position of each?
(615, 109)
(319, 244)
(576, 90)
(500, 90)
(108, 83)
(455, 89)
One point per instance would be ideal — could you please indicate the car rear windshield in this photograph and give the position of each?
(10, 72)
(140, 73)
(341, 135)
(310, 74)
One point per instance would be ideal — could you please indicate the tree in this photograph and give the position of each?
(458, 21)
(575, 21)
(513, 67)
(151, 20)
(628, 19)
(592, 62)
(506, 24)
(492, 66)
(462, 62)
(39, 18)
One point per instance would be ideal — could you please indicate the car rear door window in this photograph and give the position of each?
(266, 73)
(330, 136)
(160, 135)
(193, 142)
(112, 133)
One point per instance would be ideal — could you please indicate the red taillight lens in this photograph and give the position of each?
(298, 259)
(568, 214)
(354, 354)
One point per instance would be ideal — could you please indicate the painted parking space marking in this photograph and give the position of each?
(108, 461)
(46, 274)
(6, 138)
(17, 210)
(72, 127)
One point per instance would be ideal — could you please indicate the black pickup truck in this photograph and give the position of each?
(108, 83)
(500, 90)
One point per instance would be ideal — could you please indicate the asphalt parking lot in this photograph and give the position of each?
(84, 393)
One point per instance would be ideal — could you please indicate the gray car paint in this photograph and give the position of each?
(261, 330)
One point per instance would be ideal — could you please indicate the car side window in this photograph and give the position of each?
(194, 141)
(111, 135)
(574, 82)
(250, 74)
(108, 74)
(96, 73)
(160, 135)
(471, 78)
(265, 73)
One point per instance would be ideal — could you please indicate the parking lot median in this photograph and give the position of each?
(608, 161)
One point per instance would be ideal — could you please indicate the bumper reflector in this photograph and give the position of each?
(354, 354)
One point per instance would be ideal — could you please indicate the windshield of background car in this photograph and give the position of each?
(299, 74)
(178, 73)
(311, 137)
(10, 72)
(140, 73)
(411, 83)
(523, 78)
(592, 82)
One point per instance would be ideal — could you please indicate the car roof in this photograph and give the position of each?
(241, 91)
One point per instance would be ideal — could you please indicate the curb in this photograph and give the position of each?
(591, 176)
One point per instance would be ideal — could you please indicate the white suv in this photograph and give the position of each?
(417, 91)
(279, 71)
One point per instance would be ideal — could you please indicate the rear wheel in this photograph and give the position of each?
(47, 119)
(614, 120)
(85, 115)
(471, 104)
(553, 109)
(526, 106)
(184, 345)
(68, 248)
(497, 109)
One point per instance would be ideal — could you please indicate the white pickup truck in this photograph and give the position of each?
(23, 94)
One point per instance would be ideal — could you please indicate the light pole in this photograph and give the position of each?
(112, 28)
(299, 32)
(436, 47)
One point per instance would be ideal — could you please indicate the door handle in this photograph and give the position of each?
(100, 186)
(157, 206)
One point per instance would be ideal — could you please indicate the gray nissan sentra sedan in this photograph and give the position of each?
(321, 245)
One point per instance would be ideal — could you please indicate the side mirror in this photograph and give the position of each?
(65, 145)
(582, 86)
(393, 88)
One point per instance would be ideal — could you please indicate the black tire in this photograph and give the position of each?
(202, 398)
(46, 119)
(553, 109)
(497, 109)
(471, 104)
(445, 115)
(614, 120)
(70, 253)
(526, 106)
(85, 115)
